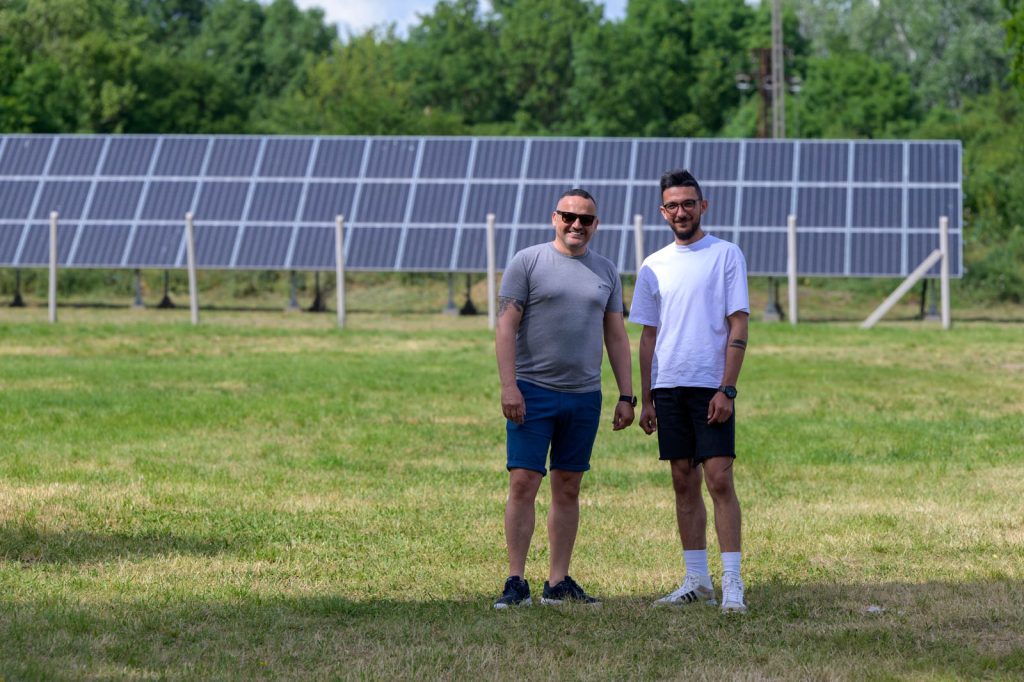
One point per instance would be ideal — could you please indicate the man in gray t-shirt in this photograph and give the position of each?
(558, 302)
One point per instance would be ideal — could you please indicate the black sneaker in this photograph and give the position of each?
(566, 591)
(516, 593)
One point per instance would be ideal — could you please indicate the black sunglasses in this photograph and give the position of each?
(569, 218)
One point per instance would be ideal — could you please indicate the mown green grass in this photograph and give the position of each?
(267, 497)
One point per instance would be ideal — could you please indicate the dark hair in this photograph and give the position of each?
(577, 192)
(681, 178)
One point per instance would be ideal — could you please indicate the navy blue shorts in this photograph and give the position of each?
(683, 429)
(565, 423)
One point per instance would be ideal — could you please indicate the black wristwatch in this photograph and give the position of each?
(631, 399)
(729, 391)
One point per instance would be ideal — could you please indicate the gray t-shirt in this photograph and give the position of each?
(560, 341)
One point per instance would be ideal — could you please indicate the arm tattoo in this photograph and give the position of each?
(506, 302)
(739, 343)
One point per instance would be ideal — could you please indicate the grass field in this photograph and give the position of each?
(264, 496)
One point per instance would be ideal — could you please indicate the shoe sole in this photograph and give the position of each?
(738, 610)
(548, 601)
(678, 604)
(526, 602)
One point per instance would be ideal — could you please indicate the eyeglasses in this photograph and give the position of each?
(569, 218)
(687, 204)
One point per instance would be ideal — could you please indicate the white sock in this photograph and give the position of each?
(731, 562)
(696, 561)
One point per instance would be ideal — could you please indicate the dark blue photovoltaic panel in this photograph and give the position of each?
(654, 157)
(472, 252)
(877, 207)
(182, 156)
(445, 158)
(428, 249)
(371, 248)
(286, 158)
(926, 206)
(824, 161)
(769, 160)
(221, 201)
(875, 254)
(920, 245)
(611, 204)
(877, 162)
(606, 160)
(339, 158)
(168, 200)
(655, 238)
(270, 202)
(606, 242)
(156, 245)
(77, 156)
(528, 236)
(260, 247)
(128, 156)
(275, 201)
(326, 200)
(233, 157)
(101, 245)
(314, 249)
(16, 198)
(552, 159)
(66, 197)
(114, 200)
(382, 203)
(37, 245)
(932, 163)
(10, 236)
(820, 253)
(821, 206)
(712, 160)
(762, 250)
(538, 202)
(392, 158)
(497, 199)
(214, 245)
(25, 155)
(498, 159)
(721, 207)
(766, 206)
(646, 202)
(437, 203)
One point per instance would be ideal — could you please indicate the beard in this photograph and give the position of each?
(685, 232)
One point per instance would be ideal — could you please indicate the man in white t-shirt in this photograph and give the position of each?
(691, 297)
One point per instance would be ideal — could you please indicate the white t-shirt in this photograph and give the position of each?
(687, 292)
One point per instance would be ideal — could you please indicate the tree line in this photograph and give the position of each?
(866, 69)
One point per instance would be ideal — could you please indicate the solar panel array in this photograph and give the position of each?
(864, 208)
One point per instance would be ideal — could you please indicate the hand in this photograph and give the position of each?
(648, 418)
(624, 415)
(512, 404)
(720, 409)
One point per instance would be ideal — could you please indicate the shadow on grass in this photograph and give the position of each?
(27, 545)
(947, 630)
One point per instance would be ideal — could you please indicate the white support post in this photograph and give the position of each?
(895, 296)
(791, 267)
(638, 241)
(52, 293)
(944, 269)
(190, 250)
(339, 265)
(491, 273)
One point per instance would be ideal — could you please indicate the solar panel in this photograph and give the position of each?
(863, 208)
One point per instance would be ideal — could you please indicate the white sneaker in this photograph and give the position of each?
(732, 593)
(695, 588)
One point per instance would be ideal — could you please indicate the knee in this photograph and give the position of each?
(523, 489)
(565, 487)
(720, 484)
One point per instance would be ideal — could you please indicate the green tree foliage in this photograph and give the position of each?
(1015, 38)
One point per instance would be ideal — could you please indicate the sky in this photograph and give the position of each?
(356, 16)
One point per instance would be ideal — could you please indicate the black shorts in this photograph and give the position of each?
(683, 429)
